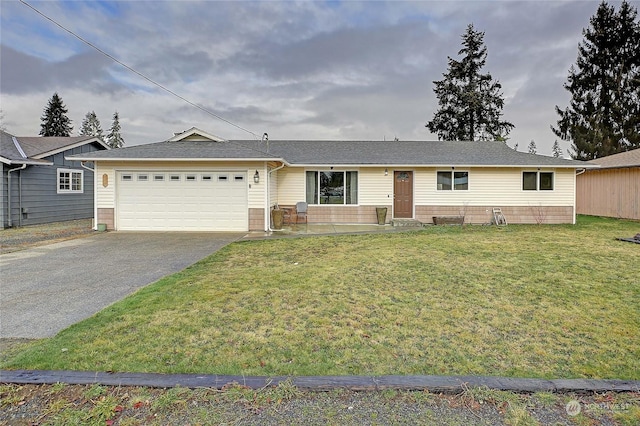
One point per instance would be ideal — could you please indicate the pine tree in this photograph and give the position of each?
(54, 120)
(91, 126)
(532, 147)
(470, 103)
(556, 150)
(114, 138)
(603, 117)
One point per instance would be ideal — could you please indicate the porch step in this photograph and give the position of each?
(406, 223)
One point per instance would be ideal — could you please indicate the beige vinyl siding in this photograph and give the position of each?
(291, 186)
(487, 186)
(273, 188)
(106, 196)
(374, 187)
(494, 186)
(609, 192)
(257, 191)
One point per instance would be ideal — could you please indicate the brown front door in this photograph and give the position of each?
(402, 194)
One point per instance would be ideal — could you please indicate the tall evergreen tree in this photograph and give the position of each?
(54, 120)
(470, 103)
(603, 116)
(556, 150)
(114, 138)
(91, 126)
(532, 147)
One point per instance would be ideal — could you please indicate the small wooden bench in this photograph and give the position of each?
(448, 220)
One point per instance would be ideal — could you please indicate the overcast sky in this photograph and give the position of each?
(296, 70)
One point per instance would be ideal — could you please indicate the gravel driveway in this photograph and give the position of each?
(50, 287)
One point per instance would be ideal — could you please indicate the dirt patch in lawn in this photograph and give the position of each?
(15, 239)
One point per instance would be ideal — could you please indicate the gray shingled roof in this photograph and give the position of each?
(10, 154)
(428, 153)
(34, 147)
(621, 160)
(187, 150)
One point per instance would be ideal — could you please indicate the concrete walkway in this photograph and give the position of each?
(48, 288)
(303, 229)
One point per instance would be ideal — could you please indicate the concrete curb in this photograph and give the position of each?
(435, 384)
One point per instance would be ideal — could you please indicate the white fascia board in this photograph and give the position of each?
(75, 145)
(160, 159)
(27, 161)
(465, 166)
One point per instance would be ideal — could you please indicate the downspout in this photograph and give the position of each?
(20, 199)
(575, 199)
(24, 166)
(95, 195)
(268, 200)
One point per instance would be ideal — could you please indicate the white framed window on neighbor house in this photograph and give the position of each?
(70, 181)
(451, 180)
(537, 181)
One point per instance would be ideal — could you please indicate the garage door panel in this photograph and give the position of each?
(183, 205)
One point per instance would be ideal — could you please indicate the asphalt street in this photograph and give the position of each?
(48, 288)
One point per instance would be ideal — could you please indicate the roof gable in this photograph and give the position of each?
(195, 134)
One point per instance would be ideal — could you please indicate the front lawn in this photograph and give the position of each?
(535, 301)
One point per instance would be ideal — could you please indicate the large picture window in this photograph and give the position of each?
(70, 181)
(450, 180)
(329, 187)
(537, 181)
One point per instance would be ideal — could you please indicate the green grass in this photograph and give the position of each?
(534, 301)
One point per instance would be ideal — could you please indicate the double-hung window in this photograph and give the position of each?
(537, 181)
(70, 181)
(330, 187)
(451, 180)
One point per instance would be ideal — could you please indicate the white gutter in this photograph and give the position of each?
(95, 195)
(267, 215)
(24, 166)
(77, 157)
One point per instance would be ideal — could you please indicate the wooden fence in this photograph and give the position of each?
(609, 192)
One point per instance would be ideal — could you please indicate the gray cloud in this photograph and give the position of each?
(22, 73)
(294, 69)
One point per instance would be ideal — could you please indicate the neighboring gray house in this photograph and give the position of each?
(39, 185)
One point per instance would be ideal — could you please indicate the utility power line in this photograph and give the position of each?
(116, 60)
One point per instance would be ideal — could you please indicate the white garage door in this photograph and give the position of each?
(182, 201)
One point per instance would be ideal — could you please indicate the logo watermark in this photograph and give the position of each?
(574, 407)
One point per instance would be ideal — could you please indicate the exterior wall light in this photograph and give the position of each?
(256, 177)
(386, 172)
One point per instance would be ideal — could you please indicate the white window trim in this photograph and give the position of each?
(345, 176)
(537, 172)
(453, 183)
(71, 173)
